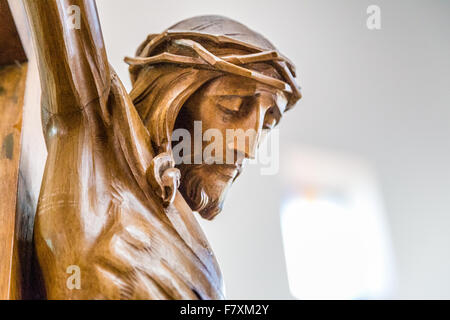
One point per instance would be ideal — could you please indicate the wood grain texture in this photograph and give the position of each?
(11, 49)
(32, 160)
(114, 218)
(12, 87)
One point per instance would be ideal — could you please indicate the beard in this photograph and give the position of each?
(204, 186)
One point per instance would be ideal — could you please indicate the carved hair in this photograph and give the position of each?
(171, 66)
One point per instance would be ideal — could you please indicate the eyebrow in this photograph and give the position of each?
(240, 92)
(253, 94)
(234, 95)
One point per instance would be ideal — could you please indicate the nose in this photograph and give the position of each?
(243, 145)
(252, 133)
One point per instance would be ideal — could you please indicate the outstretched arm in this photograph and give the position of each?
(72, 59)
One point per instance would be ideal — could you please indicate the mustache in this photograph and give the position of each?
(238, 159)
(226, 171)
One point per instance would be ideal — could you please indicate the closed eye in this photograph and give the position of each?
(230, 103)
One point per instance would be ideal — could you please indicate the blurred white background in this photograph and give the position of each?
(379, 95)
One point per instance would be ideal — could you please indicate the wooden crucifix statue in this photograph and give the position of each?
(115, 205)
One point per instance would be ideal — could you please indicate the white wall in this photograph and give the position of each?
(383, 95)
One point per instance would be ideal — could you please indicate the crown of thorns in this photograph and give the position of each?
(232, 64)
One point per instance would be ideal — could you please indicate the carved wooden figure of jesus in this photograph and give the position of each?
(114, 204)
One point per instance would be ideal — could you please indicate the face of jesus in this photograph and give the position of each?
(250, 109)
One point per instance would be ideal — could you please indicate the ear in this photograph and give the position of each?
(164, 177)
